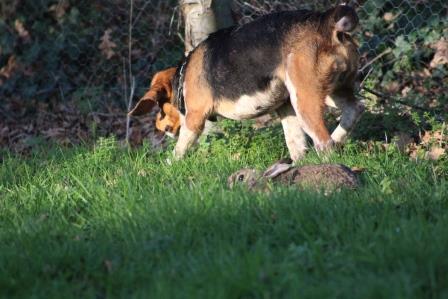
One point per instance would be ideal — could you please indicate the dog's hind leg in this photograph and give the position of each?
(351, 112)
(294, 135)
(308, 99)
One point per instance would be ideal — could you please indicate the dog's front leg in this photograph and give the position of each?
(186, 138)
(294, 135)
(198, 104)
(190, 130)
(352, 110)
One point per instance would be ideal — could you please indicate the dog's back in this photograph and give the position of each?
(245, 59)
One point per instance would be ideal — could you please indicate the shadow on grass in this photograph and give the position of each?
(112, 223)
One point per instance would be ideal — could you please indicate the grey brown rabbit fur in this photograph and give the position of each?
(321, 177)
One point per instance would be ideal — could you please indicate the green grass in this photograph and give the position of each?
(106, 222)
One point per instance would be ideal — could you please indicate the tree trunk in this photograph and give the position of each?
(203, 17)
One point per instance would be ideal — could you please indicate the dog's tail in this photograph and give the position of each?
(342, 18)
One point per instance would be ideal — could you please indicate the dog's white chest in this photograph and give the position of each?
(258, 103)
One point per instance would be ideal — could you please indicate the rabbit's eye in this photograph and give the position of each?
(241, 177)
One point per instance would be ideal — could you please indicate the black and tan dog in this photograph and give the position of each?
(293, 62)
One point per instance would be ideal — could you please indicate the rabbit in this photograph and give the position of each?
(326, 177)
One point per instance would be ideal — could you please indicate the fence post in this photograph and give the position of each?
(203, 17)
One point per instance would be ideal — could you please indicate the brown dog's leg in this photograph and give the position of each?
(351, 112)
(186, 139)
(198, 104)
(190, 131)
(308, 98)
(294, 136)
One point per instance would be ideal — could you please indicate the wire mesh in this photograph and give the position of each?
(89, 50)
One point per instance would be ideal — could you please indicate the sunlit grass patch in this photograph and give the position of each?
(103, 220)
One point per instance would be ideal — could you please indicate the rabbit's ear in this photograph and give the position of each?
(276, 169)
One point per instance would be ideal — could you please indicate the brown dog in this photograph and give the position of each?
(293, 62)
(160, 93)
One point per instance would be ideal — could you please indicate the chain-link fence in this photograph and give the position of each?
(82, 50)
(94, 51)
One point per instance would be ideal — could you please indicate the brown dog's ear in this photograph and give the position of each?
(145, 105)
(160, 91)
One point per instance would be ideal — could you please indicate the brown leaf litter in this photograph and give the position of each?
(107, 46)
(22, 128)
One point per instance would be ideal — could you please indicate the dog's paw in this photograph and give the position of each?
(177, 155)
(325, 146)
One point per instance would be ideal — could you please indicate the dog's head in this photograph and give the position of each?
(168, 120)
(160, 94)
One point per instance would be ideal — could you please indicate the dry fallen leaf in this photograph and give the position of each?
(66, 125)
(107, 46)
(405, 91)
(392, 87)
(388, 17)
(435, 153)
(415, 151)
(424, 73)
(20, 28)
(431, 137)
(60, 9)
(441, 55)
(9, 68)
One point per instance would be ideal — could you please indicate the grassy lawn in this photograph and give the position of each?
(100, 222)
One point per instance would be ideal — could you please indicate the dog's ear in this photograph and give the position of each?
(160, 91)
(145, 104)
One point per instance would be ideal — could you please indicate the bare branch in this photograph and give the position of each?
(131, 77)
(385, 52)
(389, 97)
